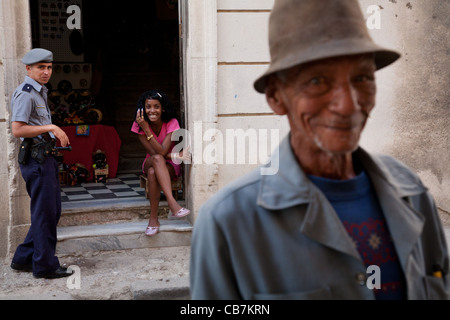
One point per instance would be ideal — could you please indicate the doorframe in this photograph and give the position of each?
(15, 41)
(199, 72)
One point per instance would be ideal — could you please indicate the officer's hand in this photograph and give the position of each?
(61, 136)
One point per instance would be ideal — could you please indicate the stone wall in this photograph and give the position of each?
(15, 41)
(412, 115)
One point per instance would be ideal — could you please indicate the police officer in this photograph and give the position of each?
(31, 118)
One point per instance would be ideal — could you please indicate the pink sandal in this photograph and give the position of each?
(151, 231)
(182, 213)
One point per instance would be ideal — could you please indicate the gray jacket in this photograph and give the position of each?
(277, 237)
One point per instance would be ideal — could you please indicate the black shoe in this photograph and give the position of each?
(22, 267)
(61, 272)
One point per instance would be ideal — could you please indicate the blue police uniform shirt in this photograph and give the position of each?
(29, 104)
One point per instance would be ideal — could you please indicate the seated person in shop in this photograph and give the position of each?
(155, 122)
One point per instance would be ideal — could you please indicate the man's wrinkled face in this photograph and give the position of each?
(328, 101)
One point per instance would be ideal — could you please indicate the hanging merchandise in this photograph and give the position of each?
(66, 42)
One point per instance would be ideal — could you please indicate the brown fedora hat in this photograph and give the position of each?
(302, 31)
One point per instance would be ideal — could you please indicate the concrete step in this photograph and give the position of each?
(78, 213)
(77, 240)
(117, 224)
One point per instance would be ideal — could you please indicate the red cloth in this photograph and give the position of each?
(100, 137)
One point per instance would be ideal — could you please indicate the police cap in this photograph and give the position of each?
(37, 55)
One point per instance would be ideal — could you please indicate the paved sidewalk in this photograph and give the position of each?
(134, 274)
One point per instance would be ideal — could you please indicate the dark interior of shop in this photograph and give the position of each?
(122, 50)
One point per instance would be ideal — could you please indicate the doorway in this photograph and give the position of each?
(130, 47)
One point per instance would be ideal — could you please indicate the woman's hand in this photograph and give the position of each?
(183, 156)
(140, 117)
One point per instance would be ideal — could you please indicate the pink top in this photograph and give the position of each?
(167, 128)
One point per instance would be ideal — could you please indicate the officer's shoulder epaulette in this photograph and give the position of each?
(27, 87)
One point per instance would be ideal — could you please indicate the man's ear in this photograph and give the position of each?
(273, 96)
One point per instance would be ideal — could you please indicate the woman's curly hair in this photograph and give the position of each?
(169, 111)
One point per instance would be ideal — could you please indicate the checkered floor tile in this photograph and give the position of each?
(123, 186)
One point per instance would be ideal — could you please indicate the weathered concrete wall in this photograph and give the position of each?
(243, 55)
(200, 92)
(412, 116)
(15, 41)
(412, 111)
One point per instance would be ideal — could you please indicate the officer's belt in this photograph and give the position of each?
(41, 149)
